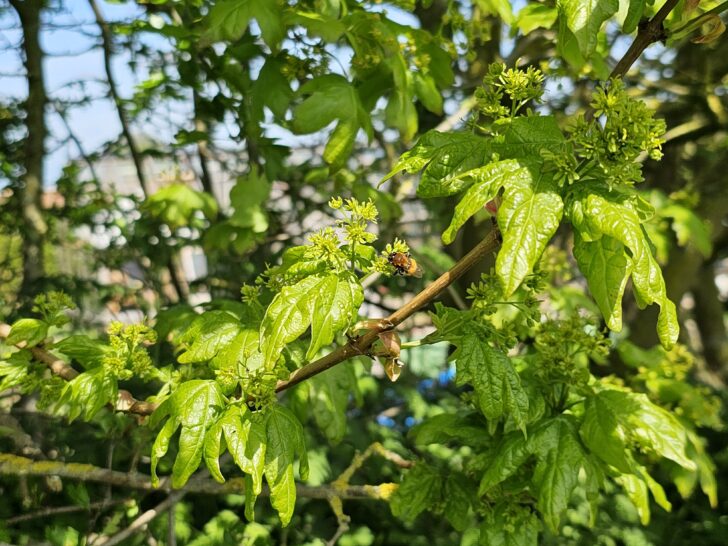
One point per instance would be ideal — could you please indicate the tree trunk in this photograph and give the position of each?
(33, 224)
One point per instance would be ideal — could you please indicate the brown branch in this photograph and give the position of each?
(361, 345)
(125, 400)
(13, 465)
(647, 34)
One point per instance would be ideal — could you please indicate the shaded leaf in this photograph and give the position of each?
(421, 488)
(329, 395)
(496, 382)
(607, 268)
(229, 19)
(510, 526)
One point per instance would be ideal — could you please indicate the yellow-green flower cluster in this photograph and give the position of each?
(128, 356)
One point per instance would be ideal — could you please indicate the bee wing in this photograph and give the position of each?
(418, 272)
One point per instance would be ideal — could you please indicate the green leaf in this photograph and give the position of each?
(629, 14)
(208, 334)
(89, 352)
(639, 422)
(248, 197)
(496, 382)
(607, 268)
(229, 19)
(331, 97)
(458, 492)
(442, 155)
(567, 46)
(194, 406)
(88, 393)
(528, 217)
(341, 143)
(284, 439)
(427, 92)
(689, 228)
(510, 525)
(598, 214)
(328, 304)
(421, 488)
(636, 490)
(329, 397)
(400, 112)
(328, 28)
(559, 458)
(533, 16)
(177, 204)
(501, 8)
(15, 371)
(687, 480)
(445, 427)
(335, 308)
(272, 89)
(29, 330)
(585, 18)
(245, 438)
(487, 182)
(602, 434)
(525, 137)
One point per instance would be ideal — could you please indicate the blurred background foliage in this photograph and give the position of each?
(221, 155)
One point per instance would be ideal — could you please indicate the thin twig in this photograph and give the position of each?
(134, 150)
(108, 47)
(56, 510)
(87, 159)
(140, 522)
(340, 530)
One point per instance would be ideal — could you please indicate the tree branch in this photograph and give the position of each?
(125, 401)
(107, 47)
(647, 34)
(13, 465)
(362, 344)
(55, 510)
